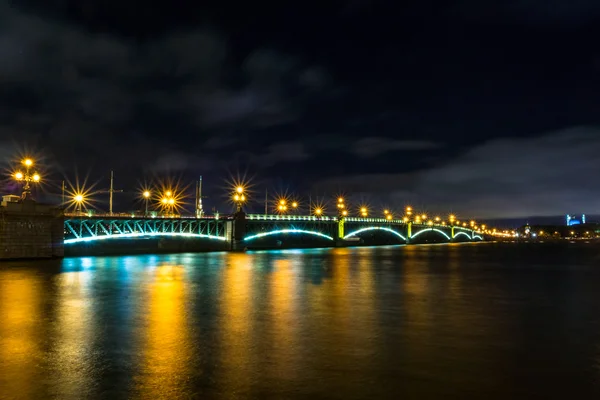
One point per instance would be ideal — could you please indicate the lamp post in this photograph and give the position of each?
(282, 206)
(239, 197)
(341, 207)
(364, 212)
(28, 177)
(168, 202)
(78, 199)
(146, 195)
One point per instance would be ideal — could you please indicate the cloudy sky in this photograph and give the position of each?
(487, 109)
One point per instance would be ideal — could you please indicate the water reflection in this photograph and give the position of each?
(286, 320)
(21, 332)
(165, 350)
(236, 339)
(399, 322)
(72, 358)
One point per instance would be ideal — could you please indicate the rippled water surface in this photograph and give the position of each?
(409, 322)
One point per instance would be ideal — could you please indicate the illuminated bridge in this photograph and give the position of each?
(261, 231)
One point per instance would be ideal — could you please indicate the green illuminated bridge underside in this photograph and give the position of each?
(255, 228)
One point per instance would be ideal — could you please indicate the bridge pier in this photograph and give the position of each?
(30, 230)
(238, 231)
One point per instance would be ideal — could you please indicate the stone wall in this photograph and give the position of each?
(30, 230)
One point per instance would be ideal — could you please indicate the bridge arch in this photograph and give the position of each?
(138, 235)
(462, 233)
(476, 237)
(431, 230)
(372, 228)
(286, 231)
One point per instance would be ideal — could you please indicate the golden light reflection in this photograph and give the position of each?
(166, 352)
(75, 330)
(284, 313)
(236, 316)
(21, 332)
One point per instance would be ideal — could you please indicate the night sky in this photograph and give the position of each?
(481, 108)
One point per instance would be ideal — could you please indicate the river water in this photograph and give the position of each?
(454, 321)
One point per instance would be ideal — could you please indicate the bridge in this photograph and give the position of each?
(160, 226)
(250, 231)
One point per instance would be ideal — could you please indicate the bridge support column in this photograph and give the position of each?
(238, 231)
(452, 232)
(408, 232)
(339, 241)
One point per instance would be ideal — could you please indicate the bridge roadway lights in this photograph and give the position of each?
(241, 230)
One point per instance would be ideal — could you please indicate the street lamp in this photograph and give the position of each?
(168, 202)
(27, 177)
(341, 207)
(282, 206)
(318, 211)
(239, 198)
(79, 199)
(364, 212)
(146, 195)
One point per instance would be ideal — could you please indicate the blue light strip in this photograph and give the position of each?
(142, 235)
(374, 228)
(259, 235)
(434, 230)
(462, 233)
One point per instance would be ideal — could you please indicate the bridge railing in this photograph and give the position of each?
(86, 229)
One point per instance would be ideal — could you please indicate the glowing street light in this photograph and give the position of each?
(364, 212)
(239, 197)
(79, 200)
(27, 177)
(318, 211)
(282, 206)
(146, 195)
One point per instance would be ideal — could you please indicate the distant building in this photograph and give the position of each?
(573, 220)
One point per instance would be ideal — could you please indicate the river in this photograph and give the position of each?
(454, 321)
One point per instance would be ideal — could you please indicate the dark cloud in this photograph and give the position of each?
(293, 151)
(532, 12)
(93, 92)
(418, 102)
(374, 146)
(546, 175)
